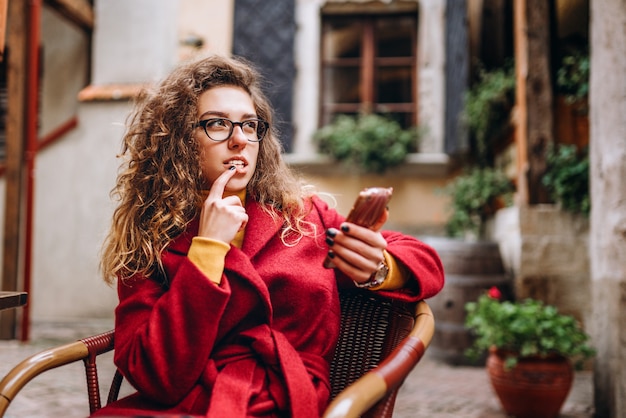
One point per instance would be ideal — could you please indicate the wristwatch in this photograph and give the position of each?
(377, 278)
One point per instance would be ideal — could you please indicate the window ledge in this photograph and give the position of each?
(110, 92)
(418, 164)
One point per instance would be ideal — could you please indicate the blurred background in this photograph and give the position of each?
(477, 112)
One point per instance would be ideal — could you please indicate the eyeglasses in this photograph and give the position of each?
(220, 129)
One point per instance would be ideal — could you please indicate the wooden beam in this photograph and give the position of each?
(79, 12)
(534, 102)
(17, 43)
(520, 116)
(539, 92)
(3, 25)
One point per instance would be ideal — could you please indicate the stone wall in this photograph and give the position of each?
(546, 251)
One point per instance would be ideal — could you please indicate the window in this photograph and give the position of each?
(369, 65)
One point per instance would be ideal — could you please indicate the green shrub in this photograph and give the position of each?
(371, 142)
(475, 196)
(567, 177)
(488, 106)
(572, 77)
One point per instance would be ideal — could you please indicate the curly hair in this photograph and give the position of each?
(159, 186)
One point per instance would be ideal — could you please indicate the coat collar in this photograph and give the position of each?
(260, 229)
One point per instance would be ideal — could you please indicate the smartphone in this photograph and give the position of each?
(367, 210)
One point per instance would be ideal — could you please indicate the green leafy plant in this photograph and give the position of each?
(488, 106)
(369, 141)
(572, 76)
(523, 329)
(475, 196)
(567, 177)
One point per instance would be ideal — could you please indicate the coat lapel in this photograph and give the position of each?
(260, 229)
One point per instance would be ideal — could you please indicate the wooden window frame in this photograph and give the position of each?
(368, 63)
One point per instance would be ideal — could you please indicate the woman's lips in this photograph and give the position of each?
(237, 163)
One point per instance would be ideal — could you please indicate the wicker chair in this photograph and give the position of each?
(380, 343)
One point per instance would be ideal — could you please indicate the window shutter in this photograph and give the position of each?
(457, 77)
(264, 34)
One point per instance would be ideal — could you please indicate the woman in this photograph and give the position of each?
(225, 306)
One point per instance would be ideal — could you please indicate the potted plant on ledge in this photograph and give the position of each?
(533, 350)
(370, 142)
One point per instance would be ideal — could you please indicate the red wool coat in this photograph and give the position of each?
(257, 345)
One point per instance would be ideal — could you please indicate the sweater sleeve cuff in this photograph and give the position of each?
(208, 255)
(397, 276)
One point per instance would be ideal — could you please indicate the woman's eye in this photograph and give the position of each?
(216, 123)
(250, 125)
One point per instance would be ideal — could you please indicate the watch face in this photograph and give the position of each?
(377, 278)
(381, 274)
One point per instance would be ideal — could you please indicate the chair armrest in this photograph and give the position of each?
(364, 393)
(48, 359)
(36, 364)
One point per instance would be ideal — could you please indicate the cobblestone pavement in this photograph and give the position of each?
(433, 389)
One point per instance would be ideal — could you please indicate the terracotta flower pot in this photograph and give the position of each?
(535, 388)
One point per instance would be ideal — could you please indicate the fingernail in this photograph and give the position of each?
(331, 232)
(345, 228)
(331, 254)
(232, 167)
(330, 241)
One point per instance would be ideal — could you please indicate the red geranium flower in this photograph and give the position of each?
(494, 293)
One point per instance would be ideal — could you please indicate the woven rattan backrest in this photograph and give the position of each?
(371, 327)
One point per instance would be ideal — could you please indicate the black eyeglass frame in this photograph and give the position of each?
(260, 133)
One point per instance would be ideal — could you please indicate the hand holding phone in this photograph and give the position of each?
(368, 209)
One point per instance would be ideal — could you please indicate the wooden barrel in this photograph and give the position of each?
(471, 268)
